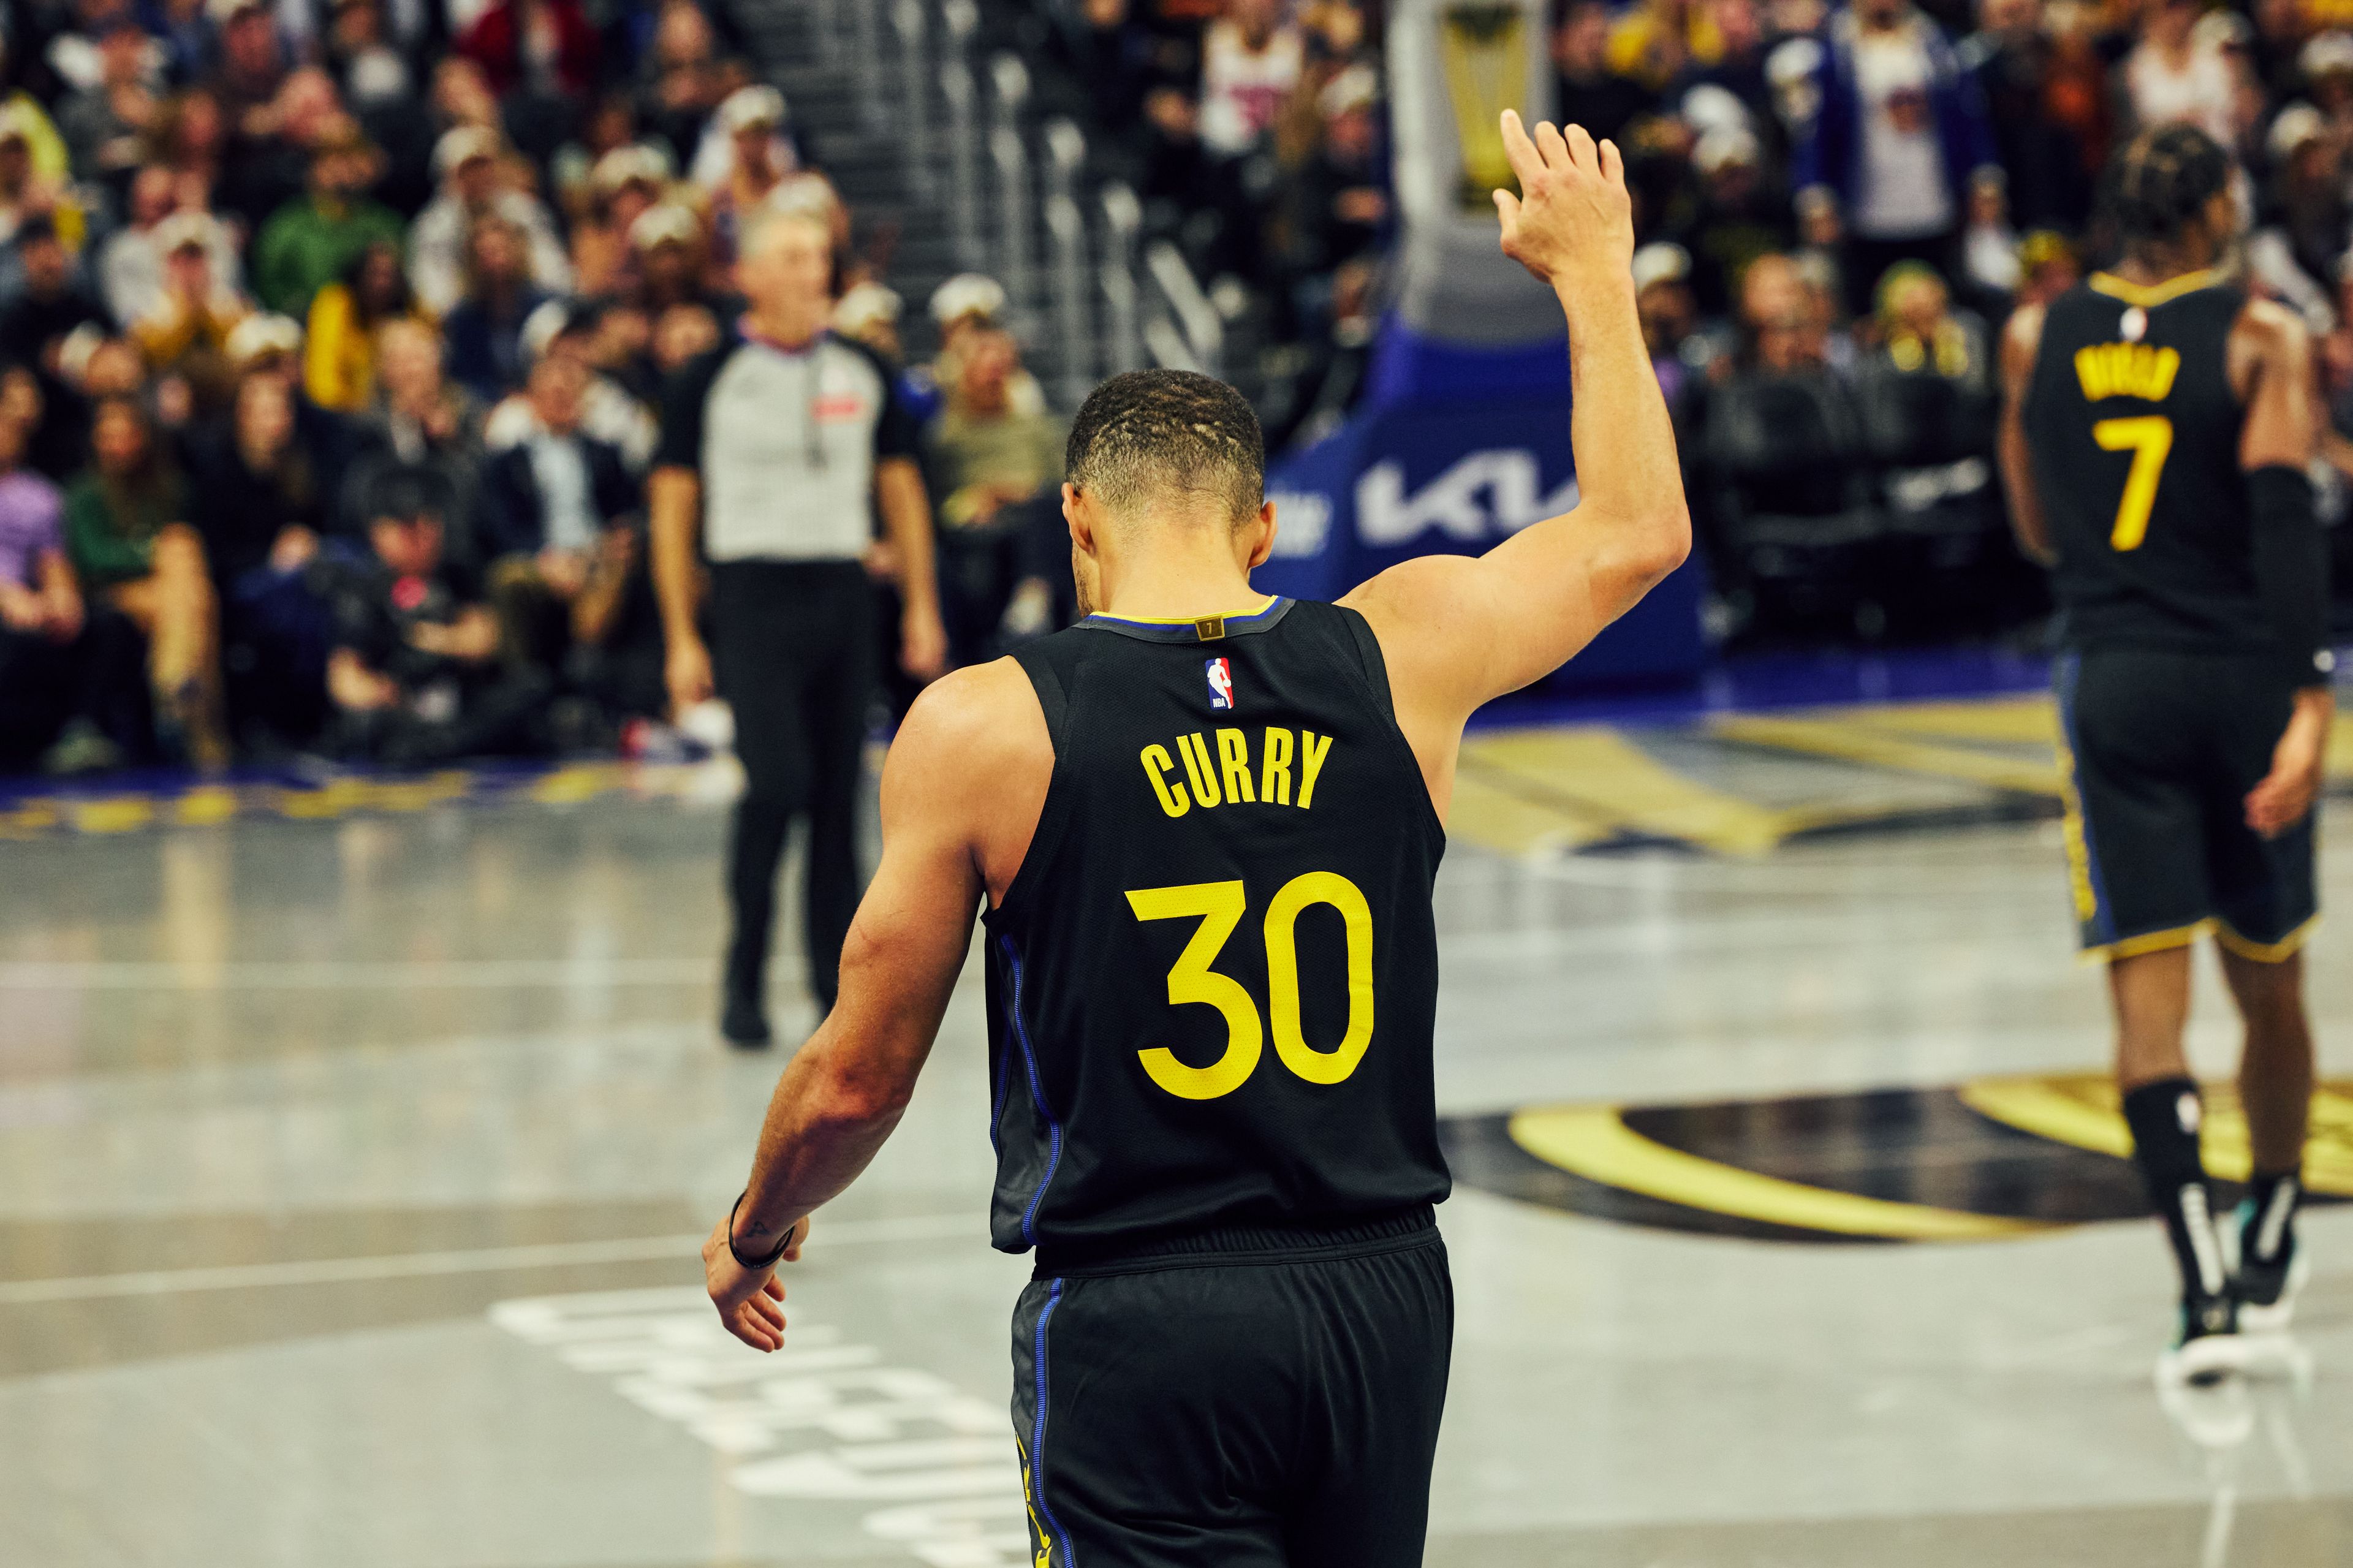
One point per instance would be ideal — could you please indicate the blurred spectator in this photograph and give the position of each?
(1251, 61)
(684, 332)
(550, 499)
(127, 531)
(1336, 202)
(184, 38)
(50, 162)
(1592, 94)
(466, 158)
(415, 675)
(196, 310)
(485, 332)
(743, 161)
(131, 264)
(2047, 266)
(1900, 137)
(988, 458)
(104, 126)
(2176, 73)
(626, 183)
(1738, 215)
(25, 195)
(188, 138)
(339, 342)
(681, 83)
(365, 64)
(607, 411)
(2306, 219)
(423, 427)
(251, 69)
(313, 240)
(2047, 180)
(668, 240)
(1656, 41)
(48, 705)
(1109, 57)
(52, 303)
(1669, 317)
(545, 46)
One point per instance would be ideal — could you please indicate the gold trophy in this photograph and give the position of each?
(1486, 49)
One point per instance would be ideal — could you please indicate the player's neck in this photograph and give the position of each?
(2163, 264)
(1179, 585)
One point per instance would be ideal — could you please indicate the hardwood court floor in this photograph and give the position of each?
(351, 1172)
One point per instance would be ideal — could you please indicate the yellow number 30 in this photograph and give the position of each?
(2149, 438)
(1219, 906)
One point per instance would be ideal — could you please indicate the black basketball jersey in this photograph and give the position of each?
(2135, 432)
(1212, 983)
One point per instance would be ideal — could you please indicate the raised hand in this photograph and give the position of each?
(1572, 220)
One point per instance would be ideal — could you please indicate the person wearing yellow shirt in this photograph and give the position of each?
(339, 356)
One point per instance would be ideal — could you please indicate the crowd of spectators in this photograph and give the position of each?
(332, 333)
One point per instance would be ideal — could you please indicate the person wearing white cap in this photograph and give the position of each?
(750, 120)
(466, 162)
(622, 185)
(131, 264)
(195, 311)
(2176, 72)
(965, 303)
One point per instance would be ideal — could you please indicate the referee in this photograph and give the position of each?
(776, 449)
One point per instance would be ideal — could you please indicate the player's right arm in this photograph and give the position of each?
(674, 501)
(2019, 341)
(1456, 631)
(2290, 556)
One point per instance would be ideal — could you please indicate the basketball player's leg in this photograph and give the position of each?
(1153, 1416)
(2144, 894)
(2267, 903)
(1388, 1335)
(835, 709)
(756, 655)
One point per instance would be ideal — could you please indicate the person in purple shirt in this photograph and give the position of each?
(46, 712)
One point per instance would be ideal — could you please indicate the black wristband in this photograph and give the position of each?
(756, 1265)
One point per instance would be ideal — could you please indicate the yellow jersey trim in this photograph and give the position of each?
(1272, 600)
(2147, 942)
(2149, 295)
(2278, 952)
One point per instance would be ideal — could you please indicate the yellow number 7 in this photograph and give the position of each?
(2149, 438)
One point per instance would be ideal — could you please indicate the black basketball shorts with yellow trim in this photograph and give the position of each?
(1247, 1405)
(2158, 750)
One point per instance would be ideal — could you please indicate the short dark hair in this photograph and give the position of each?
(2160, 181)
(1147, 433)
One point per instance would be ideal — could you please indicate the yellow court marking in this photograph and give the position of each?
(1598, 772)
(579, 782)
(2081, 1110)
(2029, 721)
(1495, 817)
(1857, 740)
(1594, 1142)
(204, 806)
(113, 814)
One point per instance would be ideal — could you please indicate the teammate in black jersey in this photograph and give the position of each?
(1204, 825)
(2155, 444)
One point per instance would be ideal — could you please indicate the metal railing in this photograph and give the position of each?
(1123, 222)
(1066, 232)
(825, 22)
(1013, 216)
(964, 163)
(907, 18)
(1190, 319)
(867, 15)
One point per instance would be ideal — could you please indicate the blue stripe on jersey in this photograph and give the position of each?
(1038, 1431)
(1037, 1094)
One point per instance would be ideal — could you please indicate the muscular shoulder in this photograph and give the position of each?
(2271, 331)
(975, 758)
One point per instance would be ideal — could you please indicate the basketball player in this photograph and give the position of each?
(2154, 444)
(1206, 823)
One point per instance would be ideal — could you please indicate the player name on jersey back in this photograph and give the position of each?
(1214, 979)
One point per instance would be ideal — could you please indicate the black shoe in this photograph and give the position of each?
(745, 1024)
(2208, 1348)
(2266, 1290)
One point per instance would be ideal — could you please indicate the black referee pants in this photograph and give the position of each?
(792, 649)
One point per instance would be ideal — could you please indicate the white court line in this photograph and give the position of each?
(471, 1260)
(338, 974)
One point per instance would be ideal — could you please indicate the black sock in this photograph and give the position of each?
(2270, 1235)
(2164, 1116)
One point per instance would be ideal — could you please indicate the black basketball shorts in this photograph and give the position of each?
(1237, 1404)
(2157, 750)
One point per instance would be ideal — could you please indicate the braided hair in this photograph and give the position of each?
(2159, 184)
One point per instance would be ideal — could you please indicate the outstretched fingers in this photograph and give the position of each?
(1527, 162)
(1581, 151)
(1613, 165)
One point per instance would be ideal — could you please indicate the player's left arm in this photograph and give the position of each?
(2290, 557)
(2019, 341)
(840, 1098)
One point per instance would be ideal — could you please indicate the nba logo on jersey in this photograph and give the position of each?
(1221, 683)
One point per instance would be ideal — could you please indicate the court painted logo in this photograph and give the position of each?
(1987, 1160)
(1221, 682)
